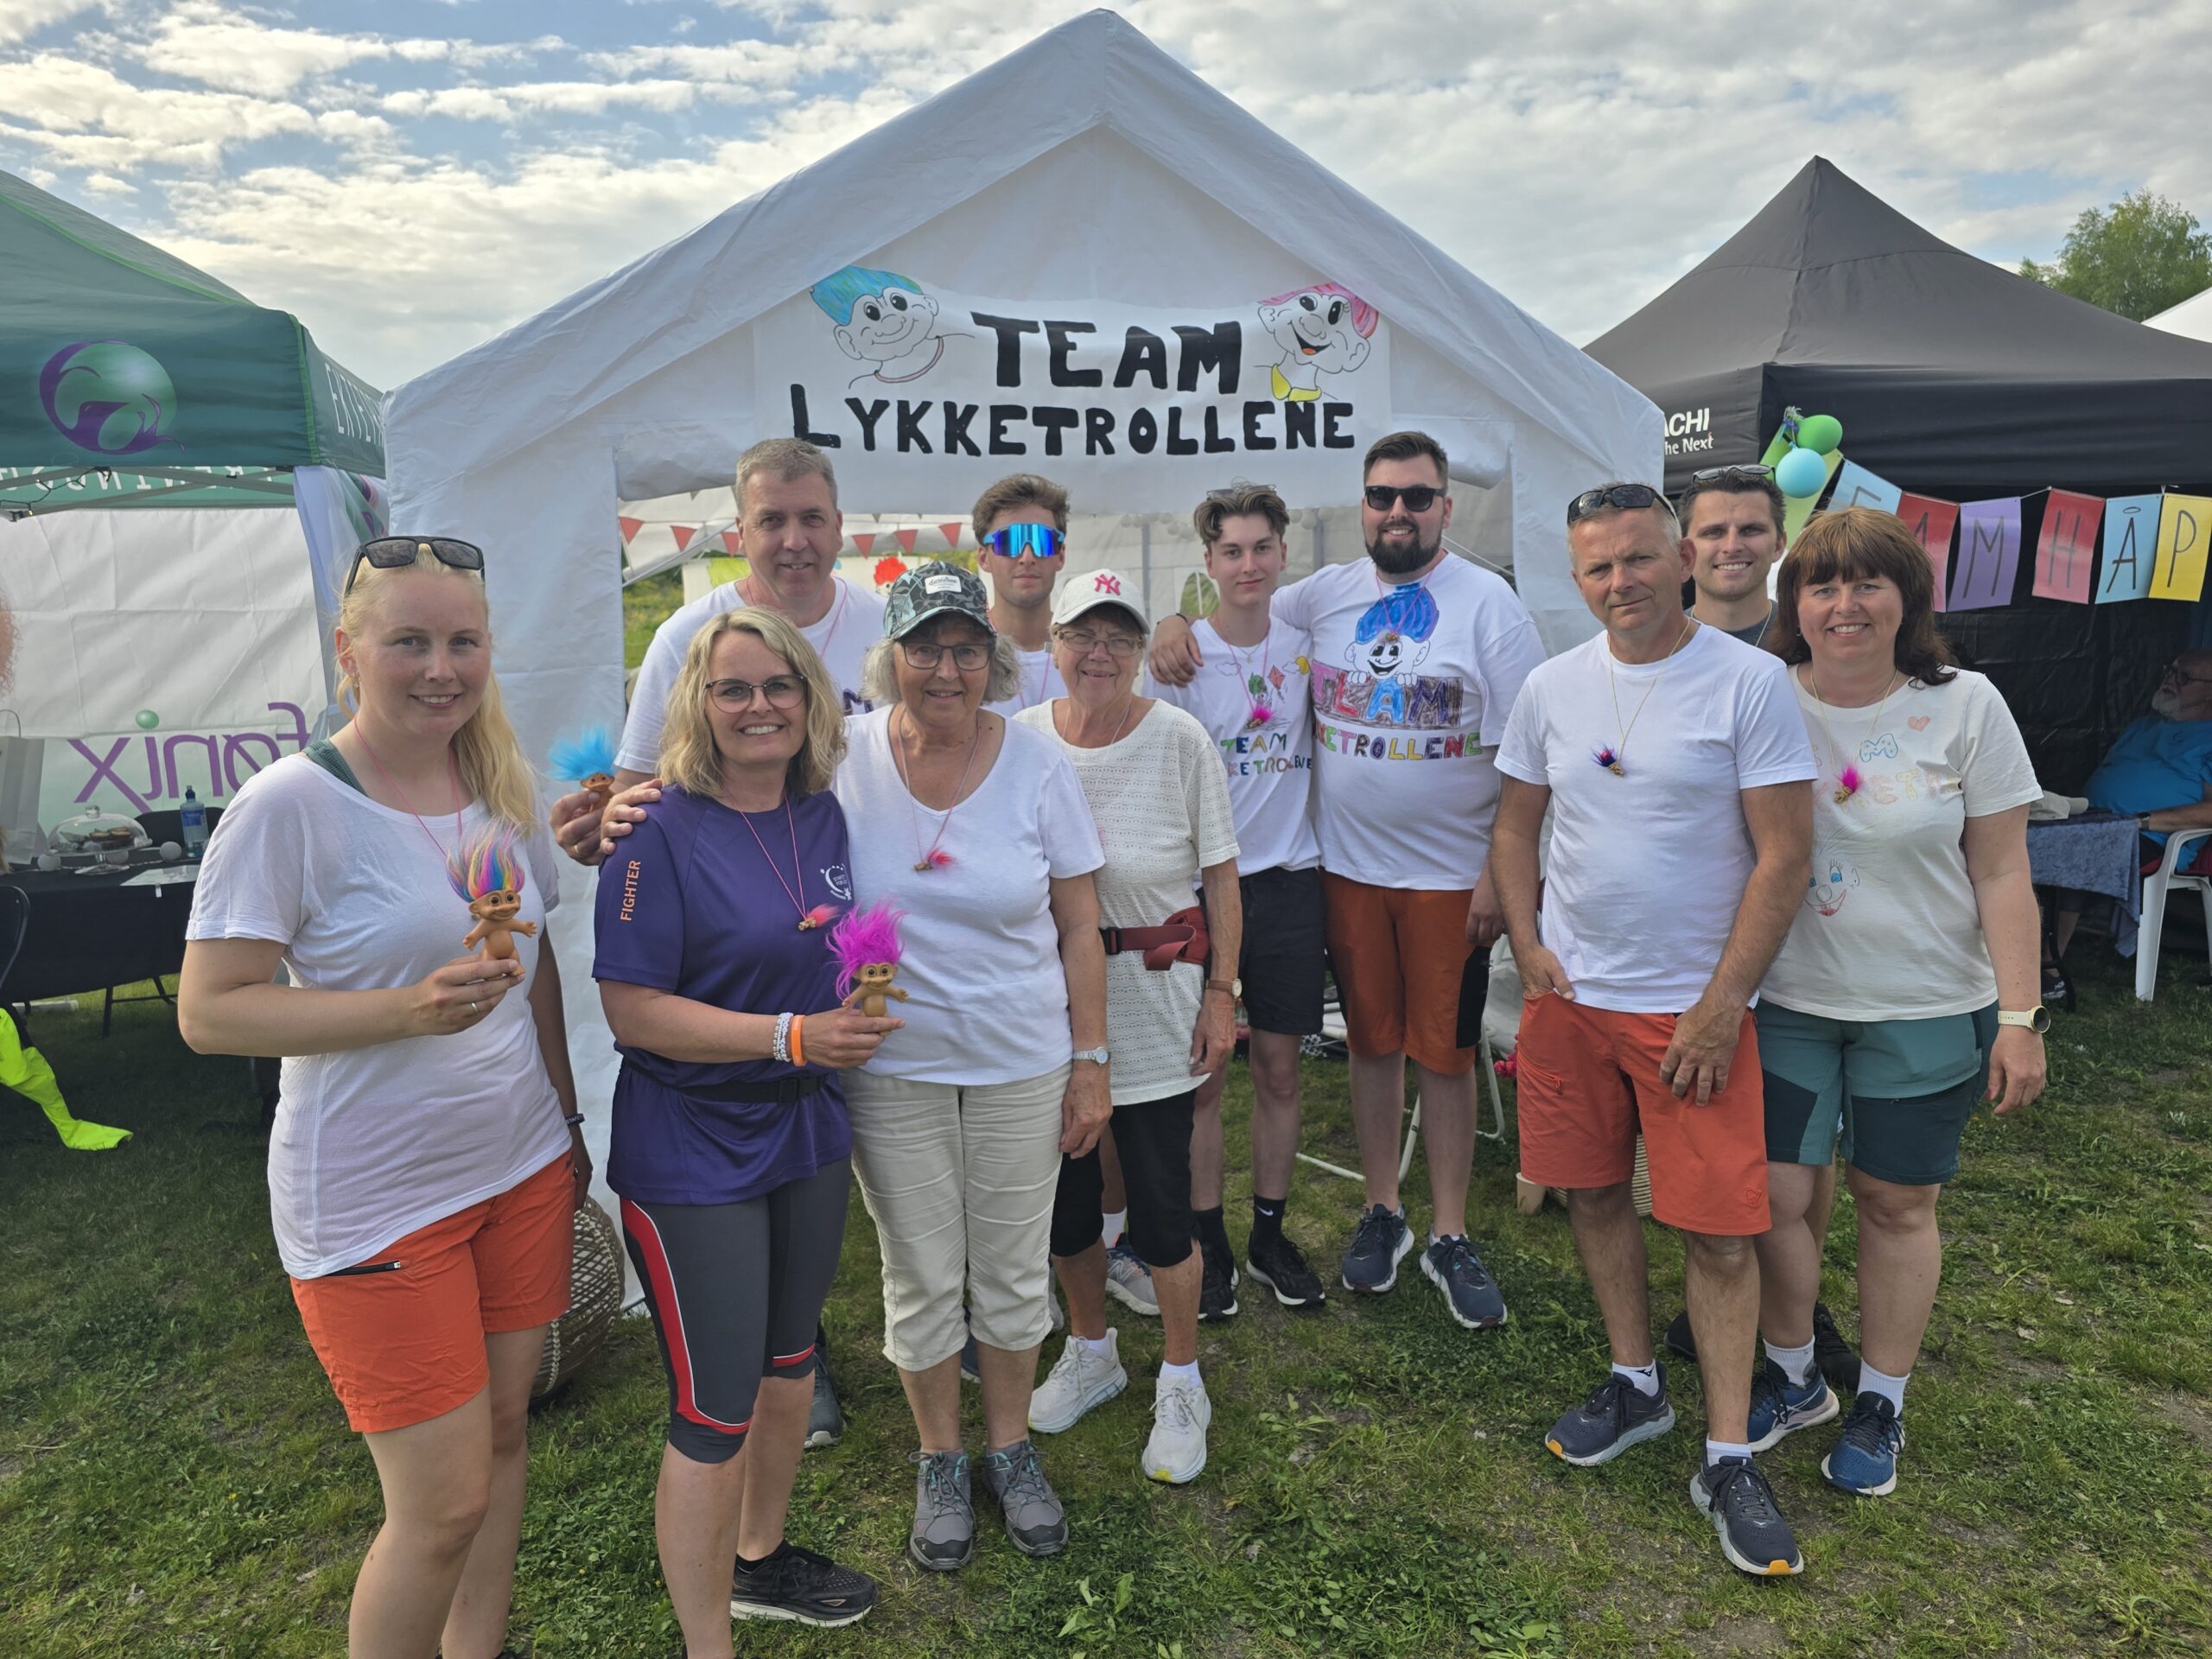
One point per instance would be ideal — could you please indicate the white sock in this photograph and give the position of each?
(1892, 1388)
(1716, 1450)
(1094, 1345)
(1180, 1373)
(1646, 1377)
(1798, 1362)
(1109, 1232)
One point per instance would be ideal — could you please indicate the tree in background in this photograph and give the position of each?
(2143, 256)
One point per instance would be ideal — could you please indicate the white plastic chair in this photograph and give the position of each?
(2180, 847)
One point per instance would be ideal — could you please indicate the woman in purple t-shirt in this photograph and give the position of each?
(730, 1143)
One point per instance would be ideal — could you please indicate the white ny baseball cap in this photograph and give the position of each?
(1093, 589)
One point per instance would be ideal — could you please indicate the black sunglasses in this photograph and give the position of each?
(1419, 498)
(1628, 497)
(1706, 474)
(397, 552)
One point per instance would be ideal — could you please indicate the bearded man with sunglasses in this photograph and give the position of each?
(1417, 657)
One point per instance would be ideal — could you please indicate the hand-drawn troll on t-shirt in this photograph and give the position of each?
(1391, 639)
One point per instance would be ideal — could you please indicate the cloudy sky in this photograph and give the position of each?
(409, 177)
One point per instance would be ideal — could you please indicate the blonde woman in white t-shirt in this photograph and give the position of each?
(1154, 783)
(422, 1178)
(1907, 986)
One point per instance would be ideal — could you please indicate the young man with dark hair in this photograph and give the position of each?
(1731, 519)
(1021, 539)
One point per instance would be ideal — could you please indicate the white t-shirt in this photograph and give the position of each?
(1890, 929)
(852, 624)
(1270, 765)
(986, 1002)
(1648, 867)
(1039, 683)
(1162, 809)
(1411, 682)
(372, 1143)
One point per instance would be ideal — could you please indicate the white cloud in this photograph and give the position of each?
(513, 103)
(201, 41)
(107, 184)
(20, 19)
(81, 114)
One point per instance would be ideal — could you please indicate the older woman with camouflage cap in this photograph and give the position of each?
(978, 829)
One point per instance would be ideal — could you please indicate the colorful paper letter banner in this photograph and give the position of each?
(2131, 543)
(2184, 525)
(1930, 522)
(2066, 556)
(1989, 554)
(1856, 487)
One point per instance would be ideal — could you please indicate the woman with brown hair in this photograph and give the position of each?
(1906, 989)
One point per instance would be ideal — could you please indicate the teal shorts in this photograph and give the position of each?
(1899, 1092)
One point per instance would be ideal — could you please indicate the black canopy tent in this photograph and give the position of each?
(1953, 377)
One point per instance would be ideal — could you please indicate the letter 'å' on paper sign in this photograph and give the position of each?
(2066, 553)
(1930, 521)
(2131, 544)
(1989, 554)
(2184, 524)
(1856, 487)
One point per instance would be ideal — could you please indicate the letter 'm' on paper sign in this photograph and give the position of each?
(1989, 554)
(2184, 525)
(2131, 544)
(1930, 522)
(1856, 487)
(2066, 554)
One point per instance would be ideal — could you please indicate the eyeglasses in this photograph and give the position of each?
(2177, 675)
(928, 654)
(1418, 498)
(1038, 541)
(1706, 474)
(1119, 647)
(734, 696)
(1628, 497)
(397, 552)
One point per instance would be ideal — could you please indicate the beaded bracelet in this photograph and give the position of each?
(780, 1045)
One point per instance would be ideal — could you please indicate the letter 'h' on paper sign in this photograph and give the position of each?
(2066, 554)
(2131, 545)
(2184, 524)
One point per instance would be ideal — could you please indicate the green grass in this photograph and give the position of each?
(175, 1477)
(645, 605)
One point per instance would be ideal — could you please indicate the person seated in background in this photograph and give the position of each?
(2160, 769)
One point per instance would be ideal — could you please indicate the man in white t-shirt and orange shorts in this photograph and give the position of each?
(1673, 761)
(1417, 657)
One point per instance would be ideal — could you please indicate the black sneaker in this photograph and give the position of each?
(1380, 1242)
(1680, 1339)
(799, 1584)
(1276, 1263)
(1837, 1360)
(1753, 1536)
(1617, 1415)
(825, 1418)
(1452, 1267)
(1216, 1285)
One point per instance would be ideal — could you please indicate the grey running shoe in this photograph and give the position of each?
(1128, 1281)
(1216, 1285)
(1452, 1267)
(825, 1417)
(1616, 1416)
(944, 1516)
(1753, 1536)
(1380, 1242)
(1034, 1520)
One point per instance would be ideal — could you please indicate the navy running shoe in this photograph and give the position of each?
(1469, 1293)
(1380, 1242)
(1780, 1407)
(1617, 1415)
(1753, 1536)
(1864, 1460)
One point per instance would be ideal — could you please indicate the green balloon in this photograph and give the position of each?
(148, 720)
(1820, 434)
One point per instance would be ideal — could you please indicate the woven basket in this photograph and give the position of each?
(1528, 1197)
(594, 1297)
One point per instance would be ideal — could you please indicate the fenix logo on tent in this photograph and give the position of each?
(1689, 430)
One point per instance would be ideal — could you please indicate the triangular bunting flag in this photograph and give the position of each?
(684, 533)
(907, 539)
(865, 542)
(730, 541)
(630, 527)
(951, 533)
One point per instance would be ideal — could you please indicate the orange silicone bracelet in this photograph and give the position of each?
(797, 1046)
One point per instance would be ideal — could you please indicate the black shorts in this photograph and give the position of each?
(1286, 952)
(1153, 1138)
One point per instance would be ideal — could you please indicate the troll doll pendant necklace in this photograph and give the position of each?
(1610, 758)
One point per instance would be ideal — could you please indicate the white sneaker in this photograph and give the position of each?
(1180, 1416)
(1079, 1380)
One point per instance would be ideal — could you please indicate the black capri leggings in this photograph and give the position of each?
(735, 1291)
(1153, 1140)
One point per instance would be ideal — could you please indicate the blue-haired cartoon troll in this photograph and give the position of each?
(883, 320)
(1391, 637)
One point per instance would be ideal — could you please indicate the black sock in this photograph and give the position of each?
(1207, 1227)
(751, 1565)
(1267, 1219)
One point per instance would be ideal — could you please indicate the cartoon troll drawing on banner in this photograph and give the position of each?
(883, 320)
(1324, 329)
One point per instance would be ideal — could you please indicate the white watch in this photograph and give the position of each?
(1096, 1056)
(2037, 1019)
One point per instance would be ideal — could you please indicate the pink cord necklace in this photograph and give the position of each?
(808, 919)
(459, 804)
(1257, 686)
(933, 858)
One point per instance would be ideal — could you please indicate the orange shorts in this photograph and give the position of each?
(405, 1344)
(1589, 1079)
(1399, 954)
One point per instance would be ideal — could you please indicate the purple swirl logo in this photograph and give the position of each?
(108, 397)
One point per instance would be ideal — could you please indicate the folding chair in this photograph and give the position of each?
(2158, 886)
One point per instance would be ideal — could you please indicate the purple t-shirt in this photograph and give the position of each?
(687, 904)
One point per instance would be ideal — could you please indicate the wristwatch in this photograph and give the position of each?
(1096, 1056)
(2037, 1019)
(1234, 987)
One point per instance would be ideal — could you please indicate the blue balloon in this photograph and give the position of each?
(1802, 472)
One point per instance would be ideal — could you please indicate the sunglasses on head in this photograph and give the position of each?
(1628, 497)
(1707, 474)
(1418, 498)
(1038, 541)
(397, 552)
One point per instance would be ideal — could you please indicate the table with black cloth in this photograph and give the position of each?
(2096, 852)
(87, 932)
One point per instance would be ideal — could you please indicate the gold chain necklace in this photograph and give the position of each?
(1848, 780)
(1611, 759)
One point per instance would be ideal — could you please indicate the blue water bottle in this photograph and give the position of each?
(192, 824)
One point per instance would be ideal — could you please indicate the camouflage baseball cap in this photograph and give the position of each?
(933, 590)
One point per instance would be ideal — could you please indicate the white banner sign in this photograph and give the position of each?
(924, 397)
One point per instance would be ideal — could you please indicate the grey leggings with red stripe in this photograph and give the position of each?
(735, 1291)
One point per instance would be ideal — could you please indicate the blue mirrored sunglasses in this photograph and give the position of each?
(1038, 541)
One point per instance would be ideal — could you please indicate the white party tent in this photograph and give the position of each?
(1081, 214)
(2192, 317)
